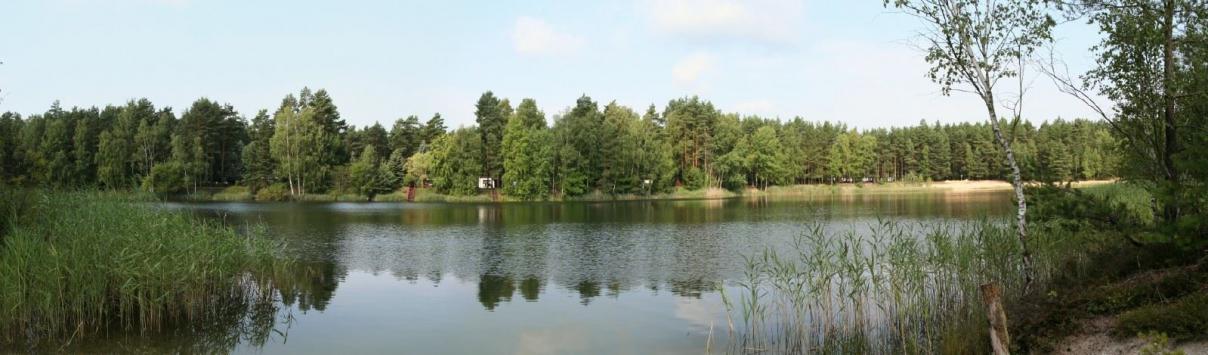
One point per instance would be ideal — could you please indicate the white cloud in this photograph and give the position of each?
(762, 20)
(534, 36)
(689, 70)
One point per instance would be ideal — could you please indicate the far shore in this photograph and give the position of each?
(241, 194)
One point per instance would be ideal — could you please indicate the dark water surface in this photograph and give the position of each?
(612, 277)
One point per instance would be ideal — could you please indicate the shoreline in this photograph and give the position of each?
(240, 193)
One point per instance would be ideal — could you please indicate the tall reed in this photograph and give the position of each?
(77, 264)
(893, 288)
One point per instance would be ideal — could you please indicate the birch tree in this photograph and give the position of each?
(974, 44)
(297, 145)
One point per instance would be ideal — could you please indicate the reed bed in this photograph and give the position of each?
(892, 288)
(78, 264)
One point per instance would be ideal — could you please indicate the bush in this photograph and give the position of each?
(1076, 210)
(233, 193)
(170, 177)
(274, 192)
(694, 178)
(1141, 291)
(1184, 319)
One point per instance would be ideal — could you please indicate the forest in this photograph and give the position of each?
(305, 147)
(941, 272)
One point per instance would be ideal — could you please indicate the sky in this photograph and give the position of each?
(848, 61)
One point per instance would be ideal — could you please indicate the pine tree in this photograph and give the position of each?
(491, 122)
(259, 165)
(408, 135)
(365, 175)
(433, 129)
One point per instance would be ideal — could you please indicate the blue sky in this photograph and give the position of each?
(849, 61)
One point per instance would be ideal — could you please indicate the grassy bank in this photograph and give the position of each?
(240, 193)
(78, 264)
(901, 288)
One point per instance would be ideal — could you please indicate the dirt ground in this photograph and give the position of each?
(1095, 339)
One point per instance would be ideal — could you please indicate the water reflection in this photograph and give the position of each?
(543, 277)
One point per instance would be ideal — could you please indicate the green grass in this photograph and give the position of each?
(76, 264)
(1141, 290)
(280, 193)
(1185, 318)
(913, 288)
(1134, 198)
(330, 197)
(898, 288)
(233, 193)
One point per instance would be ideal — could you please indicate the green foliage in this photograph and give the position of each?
(215, 135)
(491, 120)
(111, 167)
(614, 151)
(694, 178)
(850, 155)
(1114, 207)
(1182, 319)
(691, 123)
(896, 289)
(433, 129)
(971, 47)
(457, 169)
(170, 177)
(233, 193)
(527, 153)
(394, 169)
(366, 177)
(1141, 290)
(579, 160)
(260, 169)
(274, 192)
(419, 168)
(407, 135)
(297, 145)
(19, 204)
(1150, 64)
(82, 263)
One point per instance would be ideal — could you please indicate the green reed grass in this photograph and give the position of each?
(1135, 199)
(894, 288)
(81, 263)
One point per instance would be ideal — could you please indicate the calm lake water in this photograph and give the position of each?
(611, 277)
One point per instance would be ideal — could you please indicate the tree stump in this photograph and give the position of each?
(1000, 341)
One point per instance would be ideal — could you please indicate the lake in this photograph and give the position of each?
(534, 278)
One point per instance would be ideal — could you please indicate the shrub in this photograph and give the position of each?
(694, 178)
(1184, 319)
(274, 192)
(233, 193)
(1145, 290)
(170, 177)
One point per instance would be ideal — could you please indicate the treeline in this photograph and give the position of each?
(304, 147)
